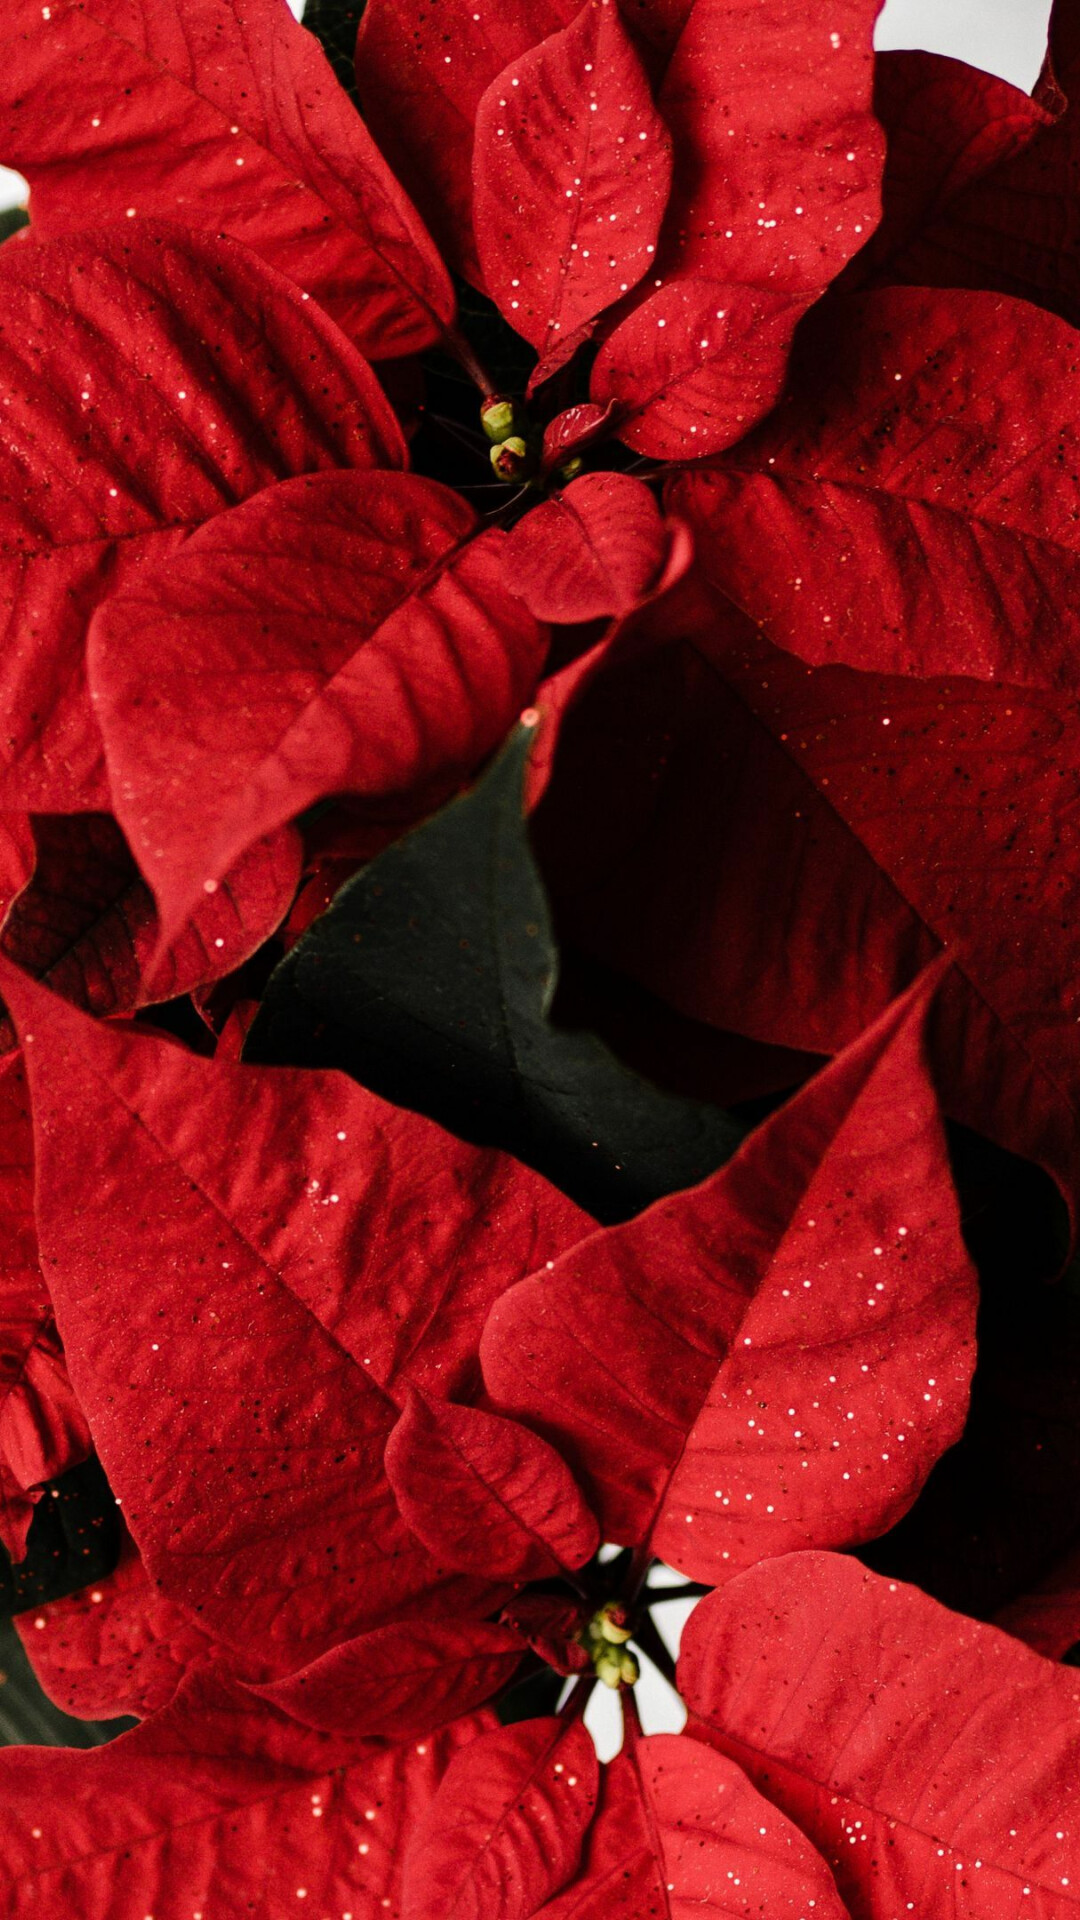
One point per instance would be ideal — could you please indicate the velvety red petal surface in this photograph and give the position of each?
(163, 376)
(215, 1801)
(401, 1680)
(272, 153)
(116, 1647)
(345, 634)
(681, 1832)
(571, 171)
(807, 839)
(505, 1829)
(595, 548)
(86, 925)
(486, 1495)
(267, 1512)
(862, 1708)
(912, 505)
(778, 1356)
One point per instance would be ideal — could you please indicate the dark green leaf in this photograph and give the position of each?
(430, 980)
(74, 1540)
(335, 24)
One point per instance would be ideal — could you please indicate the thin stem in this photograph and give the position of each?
(648, 1639)
(457, 345)
(689, 1590)
(632, 1729)
(578, 1699)
(637, 1573)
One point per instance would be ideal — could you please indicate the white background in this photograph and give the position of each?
(1007, 37)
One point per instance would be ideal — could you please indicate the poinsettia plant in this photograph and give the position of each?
(540, 1045)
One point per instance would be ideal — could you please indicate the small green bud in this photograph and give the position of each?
(572, 468)
(511, 458)
(609, 1668)
(612, 1621)
(629, 1671)
(498, 417)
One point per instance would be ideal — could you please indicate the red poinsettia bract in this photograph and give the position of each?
(679, 373)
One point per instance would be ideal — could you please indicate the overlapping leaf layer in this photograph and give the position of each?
(539, 886)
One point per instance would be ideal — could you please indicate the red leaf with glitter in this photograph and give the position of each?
(778, 165)
(116, 1647)
(486, 1495)
(695, 366)
(162, 377)
(344, 634)
(679, 1830)
(833, 1234)
(43, 1429)
(421, 76)
(504, 1831)
(401, 1680)
(267, 1511)
(934, 1762)
(808, 839)
(1008, 225)
(596, 548)
(86, 924)
(572, 167)
(95, 93)
(946, 125)
(913, 505)
(225, 1799)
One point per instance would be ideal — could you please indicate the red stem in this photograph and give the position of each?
(457, 344)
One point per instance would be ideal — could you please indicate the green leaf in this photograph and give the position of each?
(74, 1539)
(430, 979)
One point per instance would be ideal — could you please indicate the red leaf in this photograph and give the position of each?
(225, 115)
(680, 1831)
(337, 1240)
(779, 154)
(1008, 226)
(778, 162)
(421, 75)
(43, 1429)
(504, 1831)
(933, 1761)
(342, 634)
(802, 860)
(1048, 1618)
(117, 1647)
(695, 366)
(913, 505)
(216, 1801)
(486, 1495)
(571, 430)
(162, 377)
(596, 548)
(659, 1355)
(571, 171)
(400, 1680)
(946, 125)
(86, 923)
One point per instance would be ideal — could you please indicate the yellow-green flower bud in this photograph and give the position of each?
(511, 458)
(612, 1621)
(629, 1671)
(498, 417)
(609, 1668)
